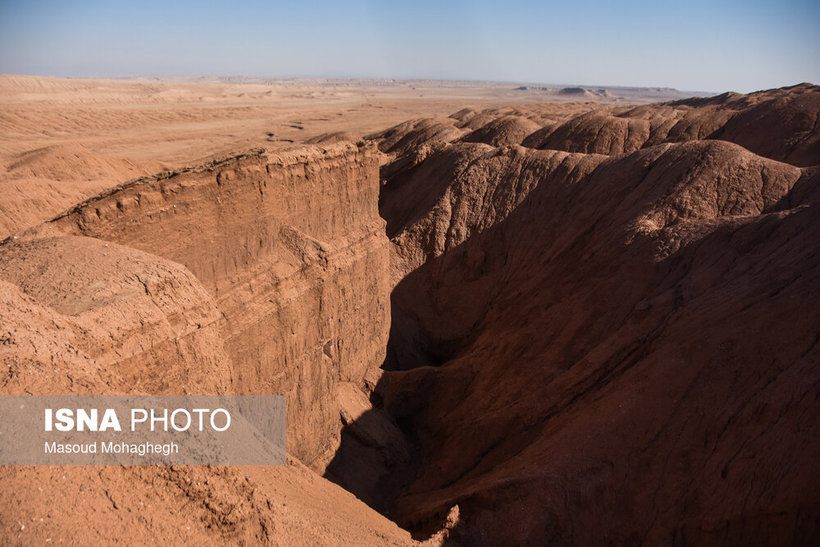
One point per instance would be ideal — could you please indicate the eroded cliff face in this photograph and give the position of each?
(264, 273)
(617, 346)
(291, 248)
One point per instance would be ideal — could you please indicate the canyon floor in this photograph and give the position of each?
(500, 313)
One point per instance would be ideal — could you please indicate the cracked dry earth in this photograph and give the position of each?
(535, 324)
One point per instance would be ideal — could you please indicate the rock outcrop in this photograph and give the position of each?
(83, 316)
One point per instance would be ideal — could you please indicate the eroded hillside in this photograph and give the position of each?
(610, 333)
(543, 324)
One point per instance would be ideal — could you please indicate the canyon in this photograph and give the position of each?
(518, 322)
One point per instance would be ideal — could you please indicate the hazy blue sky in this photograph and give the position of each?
(692, 45)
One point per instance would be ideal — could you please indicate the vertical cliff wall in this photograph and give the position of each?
(292, 249)
(259, 273)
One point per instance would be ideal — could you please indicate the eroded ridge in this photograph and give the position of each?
(609, 333)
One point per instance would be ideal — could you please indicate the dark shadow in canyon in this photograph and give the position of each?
(437, 313)
(425, 334)
(542, 265)
(370, 462)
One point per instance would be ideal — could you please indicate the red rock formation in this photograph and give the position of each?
(778, 124)
(594, 349)
(258, 274)
(608, 335)
(504, 131)
(281, 242)
(40, 183)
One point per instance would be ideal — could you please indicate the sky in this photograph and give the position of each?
(692, 45)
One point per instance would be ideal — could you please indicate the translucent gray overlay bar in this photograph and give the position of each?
(142, 430)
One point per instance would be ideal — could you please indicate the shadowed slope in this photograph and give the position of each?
(590, 349)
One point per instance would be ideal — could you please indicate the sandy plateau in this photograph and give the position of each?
(500, 313)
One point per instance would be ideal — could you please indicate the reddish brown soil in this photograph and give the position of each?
(529, 324)
(615, 338)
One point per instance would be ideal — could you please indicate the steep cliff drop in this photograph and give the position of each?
(263, 273)
(610, 335)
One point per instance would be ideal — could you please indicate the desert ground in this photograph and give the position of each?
(501, 313)
(66, 139)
